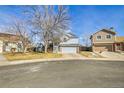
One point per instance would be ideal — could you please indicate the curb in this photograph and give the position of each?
(58, 59)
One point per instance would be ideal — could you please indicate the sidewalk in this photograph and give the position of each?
(2, 58)
(112, 55)
(5, 63)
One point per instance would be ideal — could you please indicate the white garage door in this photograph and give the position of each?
(68, 49)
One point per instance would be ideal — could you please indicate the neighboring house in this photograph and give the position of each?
(106, 40)
(10, 42)
(69, 44)
(38, 47)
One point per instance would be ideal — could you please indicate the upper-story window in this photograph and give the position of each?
(108, 36)
(99, 37)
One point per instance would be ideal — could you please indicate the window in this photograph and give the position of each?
(99, 37)
(108, 36)
(6, 43)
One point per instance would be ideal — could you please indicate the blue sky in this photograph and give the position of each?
(85, 20)
(89, 19)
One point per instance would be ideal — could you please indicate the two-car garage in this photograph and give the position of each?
(103, 47)
(69, 49)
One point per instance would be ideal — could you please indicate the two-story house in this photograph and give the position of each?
(69, 44)
(106, 40)
(10, 42)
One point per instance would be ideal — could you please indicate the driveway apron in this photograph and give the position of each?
(2, 58)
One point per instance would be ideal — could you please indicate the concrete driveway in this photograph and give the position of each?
(64, 74)
(112, 55)
(72, 55)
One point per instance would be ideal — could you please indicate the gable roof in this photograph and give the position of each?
(8, 37)
(105, 30)
(71, 45)
(109, 31)
(71, 35)
(6, 34)
(119, 39)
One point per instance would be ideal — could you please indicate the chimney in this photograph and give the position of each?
(112, 29)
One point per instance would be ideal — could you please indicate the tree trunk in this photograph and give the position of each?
(53, 48)
(46, 45)
(25, 50)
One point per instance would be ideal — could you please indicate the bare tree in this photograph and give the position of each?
(20, 29)
(48, 20)
(86, 39)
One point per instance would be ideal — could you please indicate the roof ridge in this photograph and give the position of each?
(7, 33)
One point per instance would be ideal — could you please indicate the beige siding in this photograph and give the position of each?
(1, 46)
(103, 37)
(102, 47)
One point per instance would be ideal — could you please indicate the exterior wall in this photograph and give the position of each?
(7, 46)
(108, 47)
(71, 41)
(102, 47)
(103, 44)
(122, 46)
(1, 46)
(9, 42)
(119, 46)
(78, 50)
(103, 37)
(10, 46)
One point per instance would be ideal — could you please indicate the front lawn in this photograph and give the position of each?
(29, 56)
(90, 54)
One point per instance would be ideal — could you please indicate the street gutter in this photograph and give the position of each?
(57, 59)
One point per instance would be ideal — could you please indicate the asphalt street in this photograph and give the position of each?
(63, 74)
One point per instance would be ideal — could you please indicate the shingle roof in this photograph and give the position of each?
(6, 34)
(109, 30)
(120, 39)
(106, 30)
(71, 35)
(8, 37)
(69, 45)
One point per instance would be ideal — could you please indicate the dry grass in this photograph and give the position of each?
(90, 54)
(86, 53)
(29, 56)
